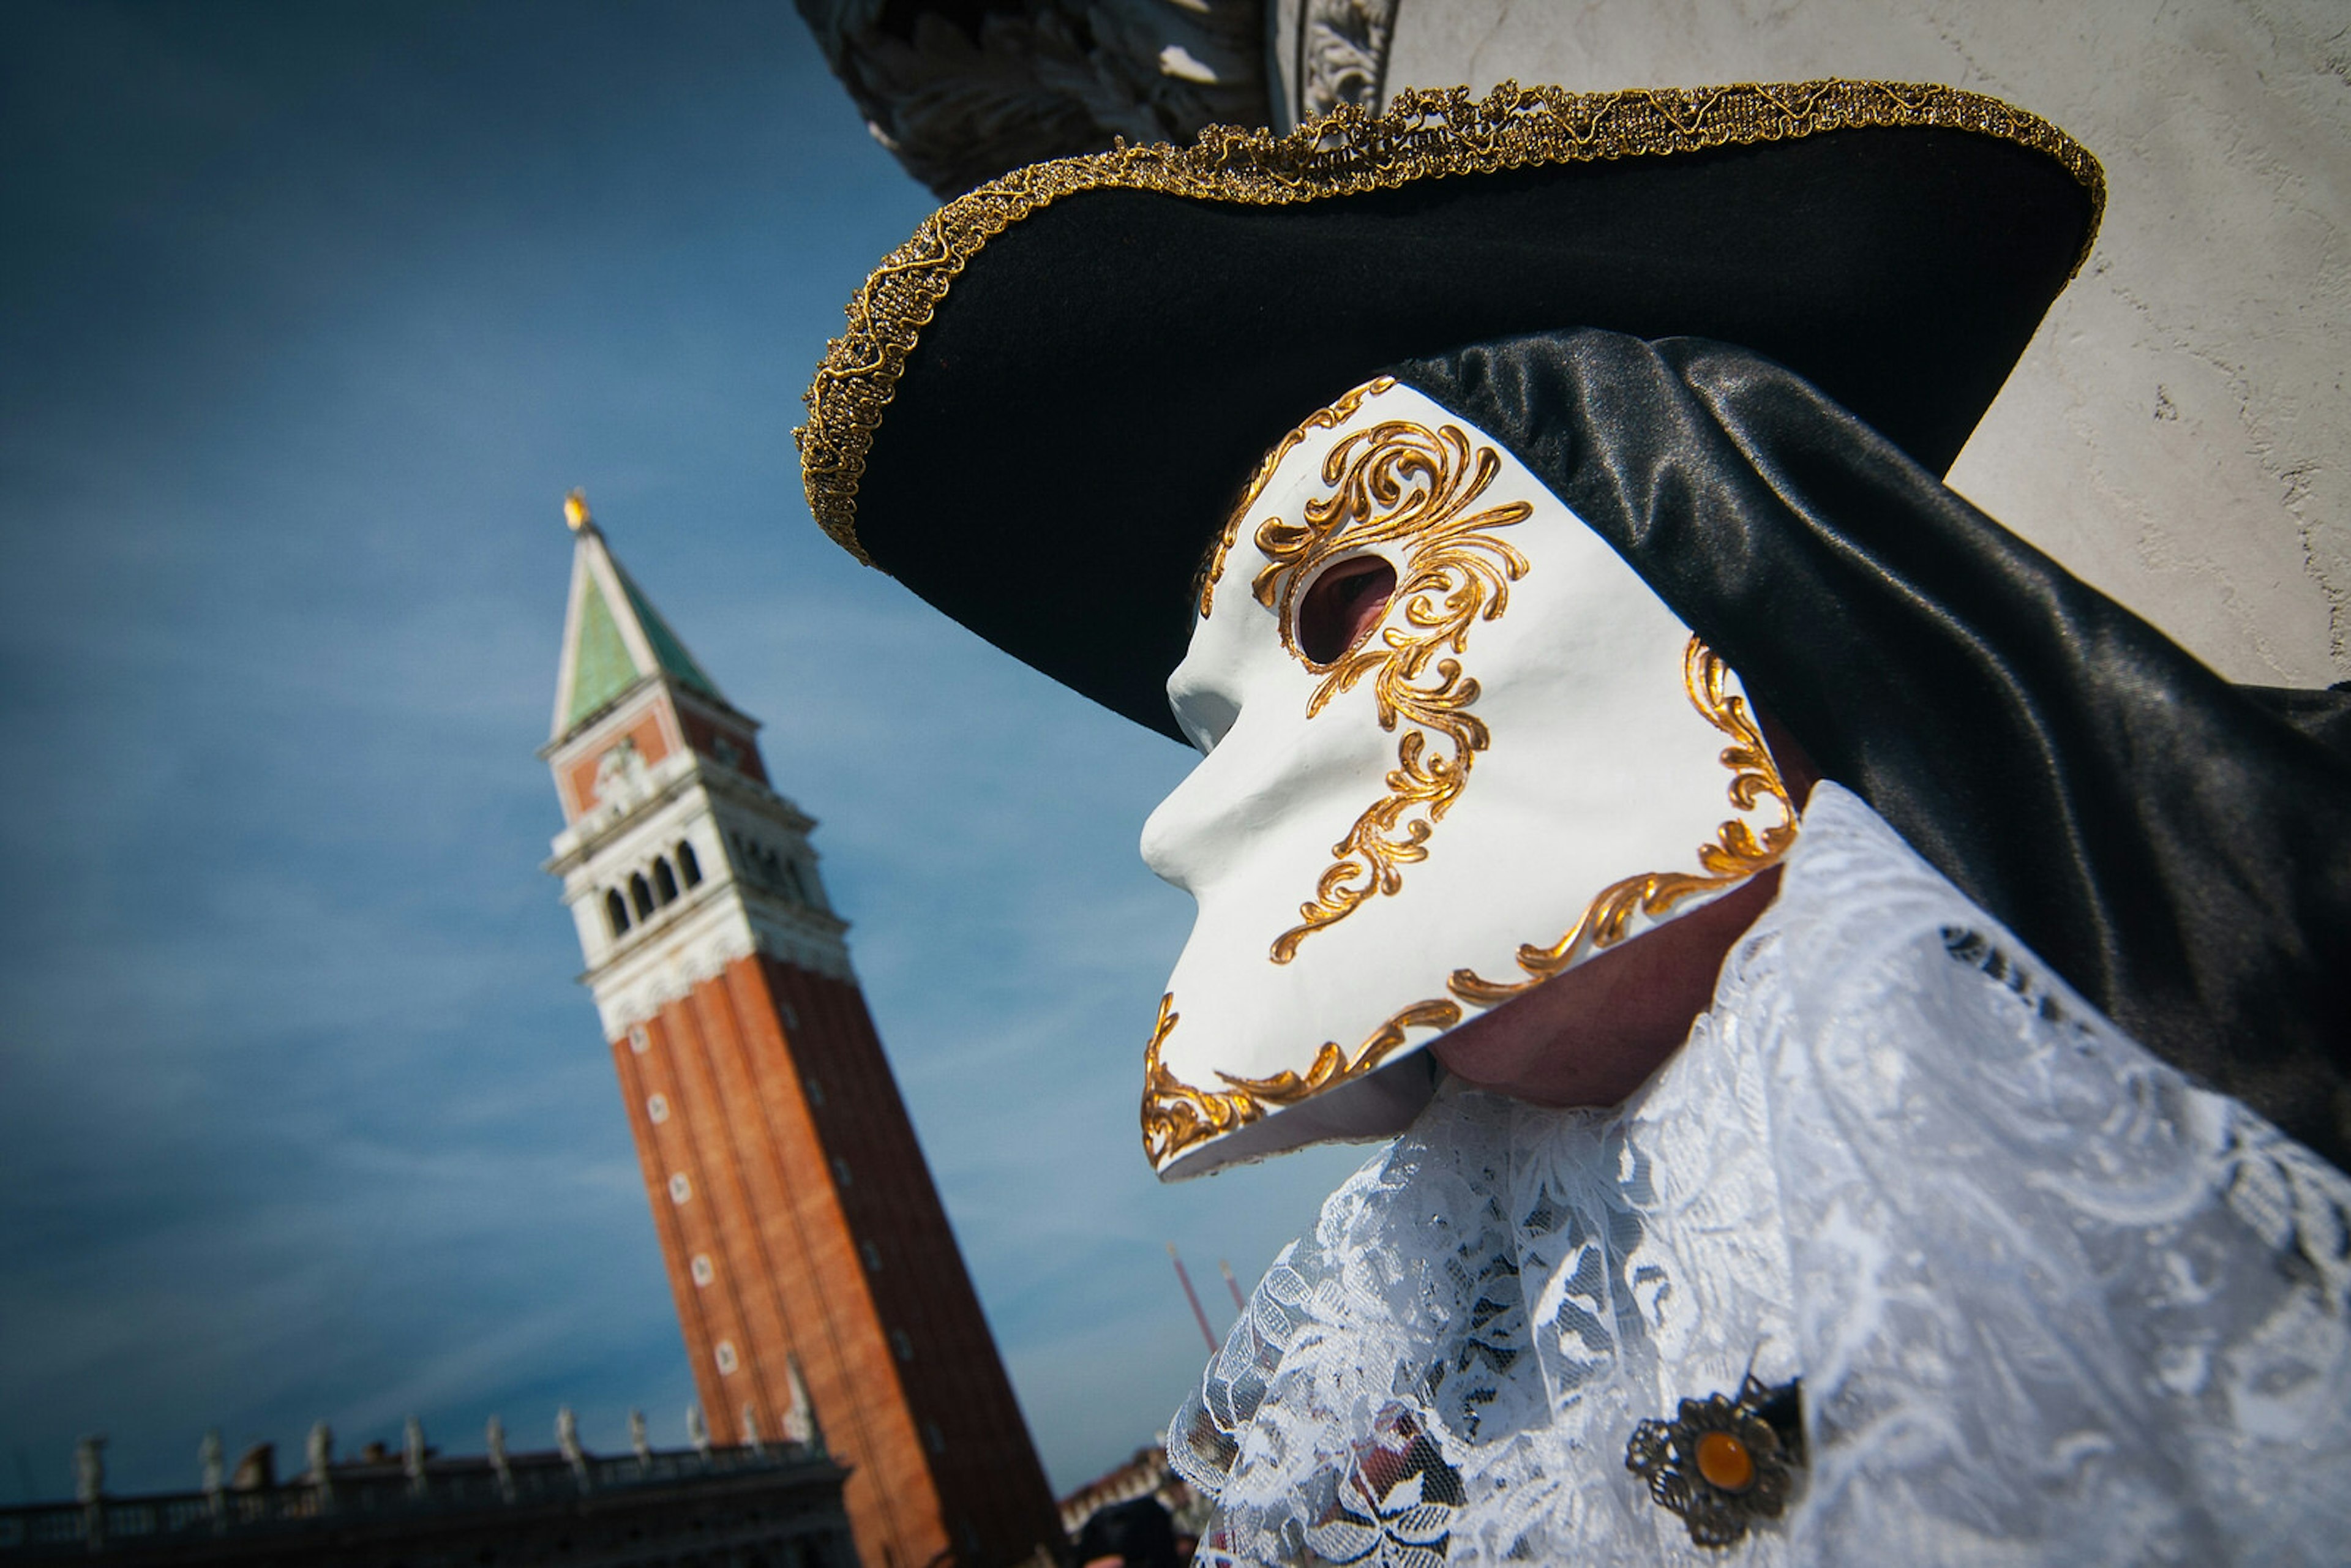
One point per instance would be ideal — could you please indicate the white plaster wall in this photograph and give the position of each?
(2177, 432)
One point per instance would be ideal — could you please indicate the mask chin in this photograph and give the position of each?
(1413, 810)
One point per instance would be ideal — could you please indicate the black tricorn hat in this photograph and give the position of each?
(1046, 400)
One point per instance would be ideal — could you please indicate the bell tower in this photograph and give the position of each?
(805, 1243)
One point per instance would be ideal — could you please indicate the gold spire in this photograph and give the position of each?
(575, 512)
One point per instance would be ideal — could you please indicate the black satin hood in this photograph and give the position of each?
(2177, 847)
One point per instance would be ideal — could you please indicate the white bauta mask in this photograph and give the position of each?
(1523, 761)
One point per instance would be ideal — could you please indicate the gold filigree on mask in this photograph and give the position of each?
(1398, 482)
(1736, 854)
(1176, 1116)
(1333, 1066)
(1330, 418)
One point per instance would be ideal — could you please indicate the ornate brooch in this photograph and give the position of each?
(1724, 1464)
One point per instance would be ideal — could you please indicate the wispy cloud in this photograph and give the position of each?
(307, 320)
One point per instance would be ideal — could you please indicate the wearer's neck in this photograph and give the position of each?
(1594, 1034)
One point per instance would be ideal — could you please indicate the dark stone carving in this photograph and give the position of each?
(963, 90)
(1343, 54)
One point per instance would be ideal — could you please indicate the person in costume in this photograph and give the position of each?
(1861, 1015)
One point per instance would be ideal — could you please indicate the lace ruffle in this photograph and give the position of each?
(2050, 1302)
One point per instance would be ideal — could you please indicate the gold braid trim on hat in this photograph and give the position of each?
(1423, 135)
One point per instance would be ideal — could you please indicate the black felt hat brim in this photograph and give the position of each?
(1072, 422)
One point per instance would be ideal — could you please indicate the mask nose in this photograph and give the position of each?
(1204, 693)
(1205, 705)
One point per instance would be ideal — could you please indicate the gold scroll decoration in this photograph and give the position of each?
(1177, 1116)
(1423, 135)
(1398, 482)
(1213, 568)
(1174, 1114)
(1736, 854)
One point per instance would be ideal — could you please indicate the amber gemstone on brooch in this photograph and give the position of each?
(1725, 1462)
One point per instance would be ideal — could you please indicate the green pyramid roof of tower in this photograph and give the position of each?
(617, 637)
(675, 660)
(603, 669)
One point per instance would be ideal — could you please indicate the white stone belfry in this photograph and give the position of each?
(676, 856)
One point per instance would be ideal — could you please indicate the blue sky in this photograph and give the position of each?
(308, 316)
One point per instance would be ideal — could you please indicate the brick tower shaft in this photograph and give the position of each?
(816, 1277)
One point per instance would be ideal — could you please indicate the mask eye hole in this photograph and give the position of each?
(1343, 606)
